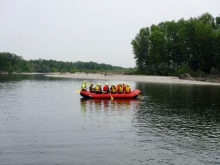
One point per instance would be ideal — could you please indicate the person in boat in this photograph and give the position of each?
(98, 89)
(84, 86)
(120, 89)
(106, 88)
(91, 88)
(113, 88)
(128, 89)
(124, 87)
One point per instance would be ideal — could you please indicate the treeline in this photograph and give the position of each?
(172, 48)
(13, 63)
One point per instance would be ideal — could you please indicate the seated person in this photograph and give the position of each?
(124, 87)
(91, 88)
(98, 89)
(120, 89)
(113, 89)
(127, 89)
(106, 88)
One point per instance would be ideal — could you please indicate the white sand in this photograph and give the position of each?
(151, 79)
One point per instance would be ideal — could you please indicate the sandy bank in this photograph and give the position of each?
(150, 79)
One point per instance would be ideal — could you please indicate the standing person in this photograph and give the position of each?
(91, 88)
(128, 89)
(84, 86)
(106, 88)
(113, 89)
(98, 89)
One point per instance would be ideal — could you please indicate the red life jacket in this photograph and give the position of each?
(105, 88)
(124, 88)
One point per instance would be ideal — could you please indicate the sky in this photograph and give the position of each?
(87, 30)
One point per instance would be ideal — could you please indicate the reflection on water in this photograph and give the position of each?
(105, 105)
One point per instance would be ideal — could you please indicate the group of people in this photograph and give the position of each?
(119, 88)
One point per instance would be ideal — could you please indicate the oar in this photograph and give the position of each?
(111, 96)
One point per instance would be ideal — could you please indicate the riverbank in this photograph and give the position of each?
(138, 78)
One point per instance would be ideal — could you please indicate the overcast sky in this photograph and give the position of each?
(87, 30)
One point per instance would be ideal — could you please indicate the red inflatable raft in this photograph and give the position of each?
(133, 94)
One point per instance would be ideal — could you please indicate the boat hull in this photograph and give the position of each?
(132, 95)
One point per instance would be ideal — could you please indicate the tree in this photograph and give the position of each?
(141, 46)
(192, 44)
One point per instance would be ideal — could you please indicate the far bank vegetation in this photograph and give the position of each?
(12, 63)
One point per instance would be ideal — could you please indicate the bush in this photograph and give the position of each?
(72, 70)
(183, 69)
(63, 70)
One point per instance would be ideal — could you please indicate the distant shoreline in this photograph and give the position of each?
(122, 77)
(138, 78)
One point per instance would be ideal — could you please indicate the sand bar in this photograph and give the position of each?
(138, 78)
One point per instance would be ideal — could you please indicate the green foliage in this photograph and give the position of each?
(175, 47)
(72, 70)
(13, 63)
(64, 70)
(163, 69)
(141, 49)
(183, 69)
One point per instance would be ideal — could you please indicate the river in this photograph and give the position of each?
(44, 121)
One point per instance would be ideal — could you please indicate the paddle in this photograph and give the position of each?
(111, 96)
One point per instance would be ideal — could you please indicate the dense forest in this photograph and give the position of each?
(172, 48)
(13, 63)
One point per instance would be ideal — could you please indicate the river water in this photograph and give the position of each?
(43, 121)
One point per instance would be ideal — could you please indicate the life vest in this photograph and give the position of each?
(124, 88)
(113, 89)
(105, 89)
(120, 89)
(84, 86)
(117, 88)
(97, 88)
(128, 89)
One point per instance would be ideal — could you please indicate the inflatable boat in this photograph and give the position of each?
(133, 94)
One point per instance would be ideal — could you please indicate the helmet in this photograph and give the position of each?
(106, 84)
(84, 81)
